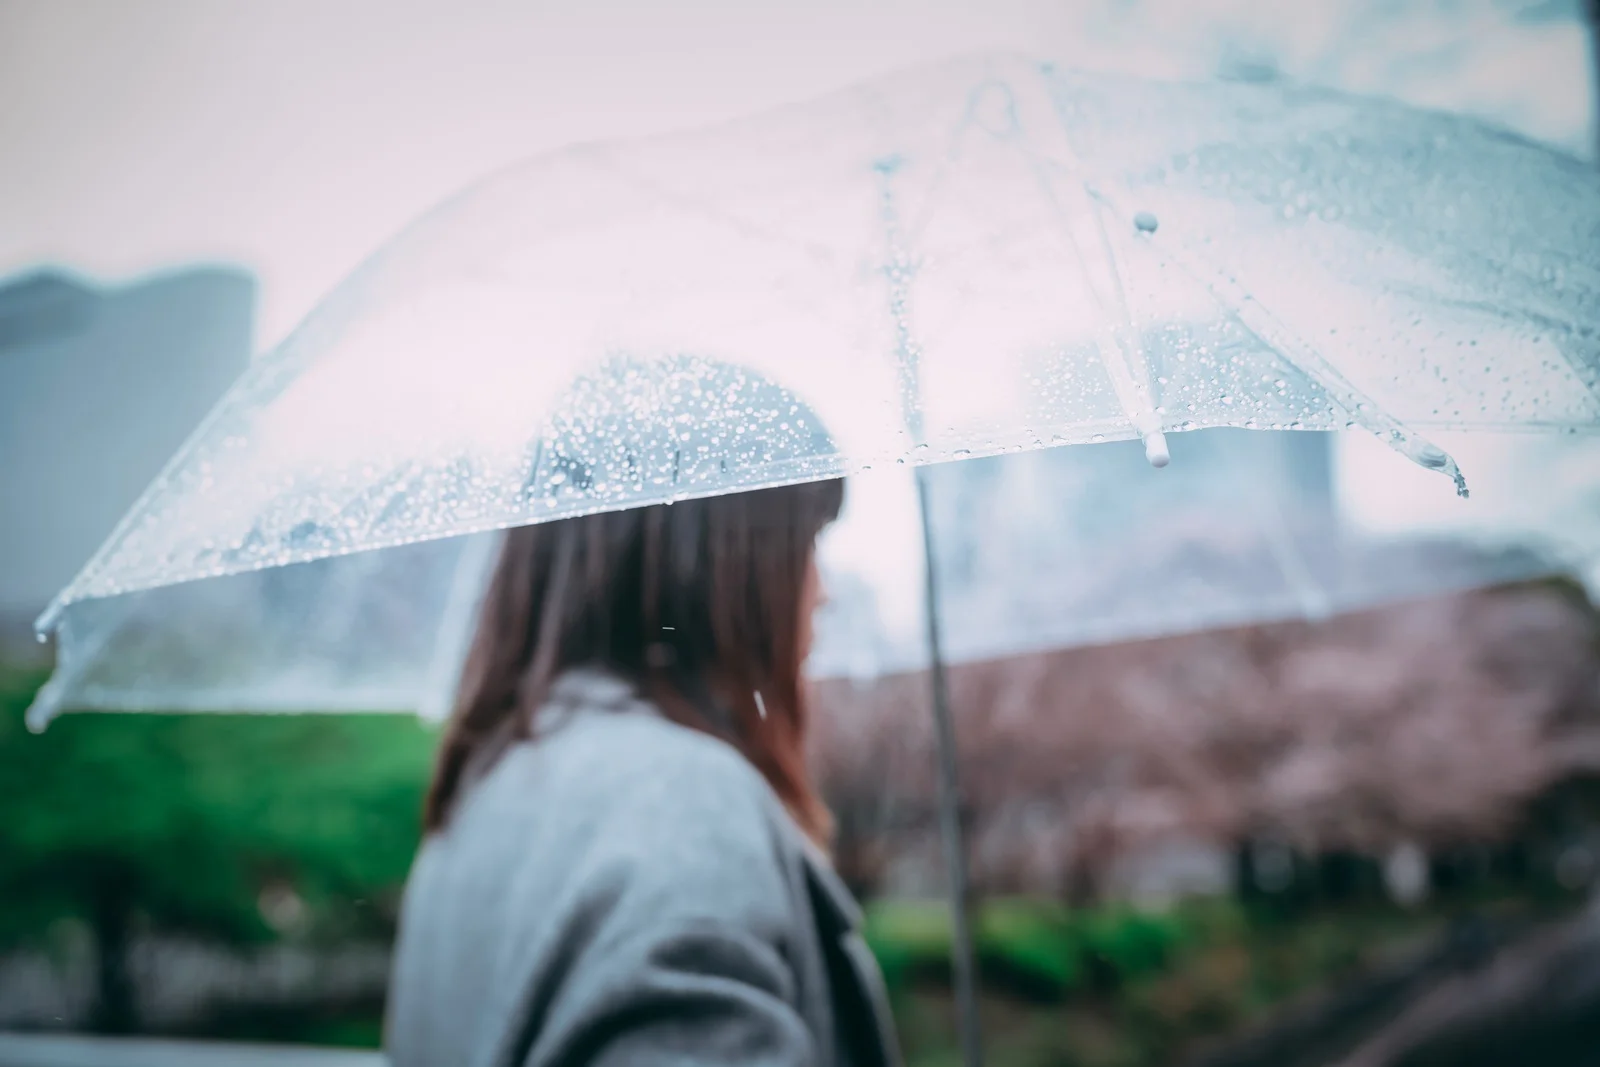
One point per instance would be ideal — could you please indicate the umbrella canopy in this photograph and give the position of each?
(980, 256)
(1034, 551)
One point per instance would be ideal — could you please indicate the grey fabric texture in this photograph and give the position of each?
(626, 890)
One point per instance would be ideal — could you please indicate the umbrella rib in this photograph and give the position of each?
(47, 703)
(1116, 326)
(1235, 299)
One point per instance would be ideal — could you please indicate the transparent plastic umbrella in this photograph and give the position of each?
(983, 256)
(1035, 550)
(980, 256)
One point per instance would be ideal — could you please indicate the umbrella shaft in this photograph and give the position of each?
(966, 990)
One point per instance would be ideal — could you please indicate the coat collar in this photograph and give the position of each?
(592, 688)
(839, 917)
(832, 897)
(585, 689)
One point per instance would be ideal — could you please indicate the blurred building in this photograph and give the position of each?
(1087, 544)
(99, 386)
(851, 639)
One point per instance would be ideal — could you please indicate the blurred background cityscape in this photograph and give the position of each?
(1354, 821)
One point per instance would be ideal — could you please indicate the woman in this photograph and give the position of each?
(624, 856)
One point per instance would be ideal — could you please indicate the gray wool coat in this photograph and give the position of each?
(625, 890)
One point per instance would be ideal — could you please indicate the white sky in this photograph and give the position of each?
(293, 137)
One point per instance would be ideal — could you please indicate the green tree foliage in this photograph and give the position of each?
(180, 822)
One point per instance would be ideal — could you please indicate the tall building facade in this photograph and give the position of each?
(99, 386)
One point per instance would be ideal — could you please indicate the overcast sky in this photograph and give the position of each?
(292, 137)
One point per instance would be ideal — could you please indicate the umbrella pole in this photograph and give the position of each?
(966, 986)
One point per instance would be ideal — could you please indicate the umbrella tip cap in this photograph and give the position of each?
(1156, 451)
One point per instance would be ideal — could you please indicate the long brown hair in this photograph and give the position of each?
(696, 603)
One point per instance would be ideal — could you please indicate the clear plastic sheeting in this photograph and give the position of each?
(1037, 550)
(978, 257)
(1077, 546)
(372, 631)
(1444, 271)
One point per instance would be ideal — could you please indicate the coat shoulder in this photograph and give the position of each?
(638, 797)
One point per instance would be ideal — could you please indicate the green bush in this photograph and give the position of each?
(1034, 948)
(1038, 950)
(1134, 944)
(911, 940)
(178, 822)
